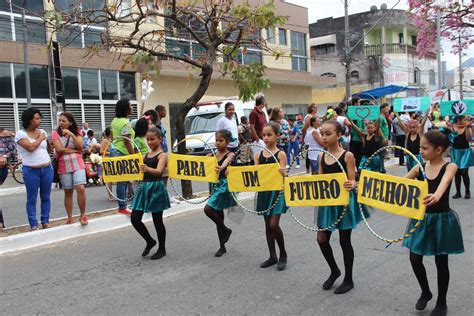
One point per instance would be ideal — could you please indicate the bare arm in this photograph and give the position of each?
(421, 129)
(227, 161)
(253, 131)
(401, 124)
(350, 164)
(468, 133)
(317, 137)
(282, 160)
(60, 149)
(305, 126)
(129, 145)
(357, 129)
(25, 143)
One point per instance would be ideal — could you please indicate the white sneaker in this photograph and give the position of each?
(287, 166)
(298, 166)
(174, 200)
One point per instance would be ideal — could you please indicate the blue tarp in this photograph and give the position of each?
(381, 91)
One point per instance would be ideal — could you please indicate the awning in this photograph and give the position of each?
(381, 91)
(327, 39)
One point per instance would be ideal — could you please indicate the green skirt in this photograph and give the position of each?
(151, 197)
(411, 162)
(221, 198)
(374, 165)
(463, 158)
(267, 198)
(439, 234)
(328, 215)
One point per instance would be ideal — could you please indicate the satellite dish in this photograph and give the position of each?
(383, 6)
(373, 8)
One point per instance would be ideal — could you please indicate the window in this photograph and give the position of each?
(34, 6)
(127, 85)
(416, 76)
(7, 115)
(4, 6)
(70, 83)
(400, 38)
(89, 84)
(36, 32)
(355, 74)
(70, 35)
(282, 37)
(298, 51)
(178, 48)
(38, 81)
(472, 82)
(324, 49)
(5, 81)
(5, 27)
(271, 34)
(329, 75)
(432, 77)
(413, 40)
(124, 8)
(109, 85)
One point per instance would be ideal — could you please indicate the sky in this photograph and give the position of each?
(335, 8)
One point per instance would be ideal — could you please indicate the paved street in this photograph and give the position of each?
(104, 274)
(13, 202)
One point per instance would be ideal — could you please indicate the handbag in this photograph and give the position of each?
(56, 165)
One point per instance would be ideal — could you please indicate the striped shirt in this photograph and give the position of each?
(68, 162)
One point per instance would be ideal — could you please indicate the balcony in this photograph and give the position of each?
(376, 50)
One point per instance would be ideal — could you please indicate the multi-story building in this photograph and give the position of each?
(93, 85)
(383, 44)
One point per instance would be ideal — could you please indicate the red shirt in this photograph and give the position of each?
(258, 119)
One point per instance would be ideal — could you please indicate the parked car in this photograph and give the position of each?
(202, 119)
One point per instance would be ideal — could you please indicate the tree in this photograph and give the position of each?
(457, 20)
(212, 29)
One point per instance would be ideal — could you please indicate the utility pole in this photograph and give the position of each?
(460, 68)
(347, 50)
(26, 60)
(438, 50)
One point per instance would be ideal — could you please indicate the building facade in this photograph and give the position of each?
(92, 85)
(383, 47)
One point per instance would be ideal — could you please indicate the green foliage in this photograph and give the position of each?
(144, 58)
(250, 80)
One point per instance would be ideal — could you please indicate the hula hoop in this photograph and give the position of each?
(344, 211)
(139, 187)
(418, 223)
(234, 195)
(214, 186)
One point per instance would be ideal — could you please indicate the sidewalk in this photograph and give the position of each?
(100, 221)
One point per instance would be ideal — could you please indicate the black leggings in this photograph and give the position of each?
(464, 174)
(136, 219)
(274, 233)
(443, 275)
(218, 219)
(323, 238)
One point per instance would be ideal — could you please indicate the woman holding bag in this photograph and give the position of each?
(67, 141)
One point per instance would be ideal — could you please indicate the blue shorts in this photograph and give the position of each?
(314, 166)
(71, 179)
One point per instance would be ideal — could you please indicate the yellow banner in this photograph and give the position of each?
(122, 168)
(255, 178)
(316, 190)
(196, 168)
(396, 195)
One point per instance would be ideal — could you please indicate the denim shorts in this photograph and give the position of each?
(71, 179)
(314, 165)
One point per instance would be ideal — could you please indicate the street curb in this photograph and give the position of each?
(48, 236)
(28, 240)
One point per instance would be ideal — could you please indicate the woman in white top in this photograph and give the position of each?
(37, 170)
(313, 140)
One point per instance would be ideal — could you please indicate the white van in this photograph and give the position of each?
(201, 122)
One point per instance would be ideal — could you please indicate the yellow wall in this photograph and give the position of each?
(336, 94)
(176, 89)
